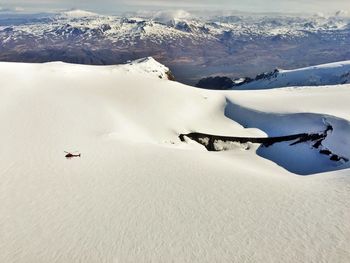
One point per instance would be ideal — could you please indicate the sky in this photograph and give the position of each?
(117, 6)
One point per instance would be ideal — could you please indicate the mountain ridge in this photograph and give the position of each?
(320, 75)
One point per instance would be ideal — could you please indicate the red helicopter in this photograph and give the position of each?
(72, 155)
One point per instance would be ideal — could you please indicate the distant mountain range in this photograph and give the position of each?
(193, 48)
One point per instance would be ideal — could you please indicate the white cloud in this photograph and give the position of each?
(15, 9)
(170, 15)
(342, 13)
(19, 9)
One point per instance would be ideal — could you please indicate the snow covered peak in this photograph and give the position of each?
(150, 66)
(146, 67)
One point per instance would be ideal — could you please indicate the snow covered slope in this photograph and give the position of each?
(327, 74)
(139, 194)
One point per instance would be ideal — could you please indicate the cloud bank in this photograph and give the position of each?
(115, 6)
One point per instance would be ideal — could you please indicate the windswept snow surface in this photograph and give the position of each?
(326, 74)
(139, 194)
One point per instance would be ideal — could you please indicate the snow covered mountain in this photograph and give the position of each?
(327, 74)
(192, 46)
(145, 190)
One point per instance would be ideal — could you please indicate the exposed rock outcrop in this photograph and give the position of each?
(215, 83)
(215, 142)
